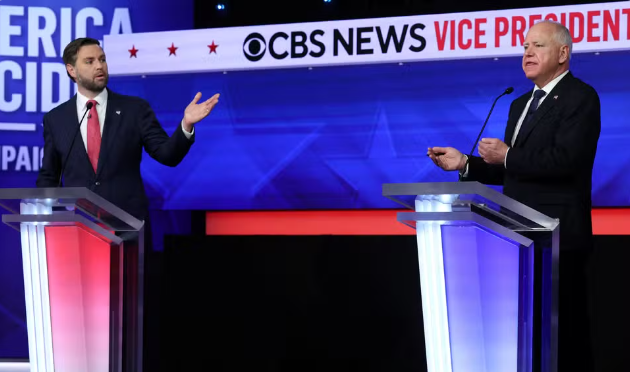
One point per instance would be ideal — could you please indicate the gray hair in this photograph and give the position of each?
(562, 35)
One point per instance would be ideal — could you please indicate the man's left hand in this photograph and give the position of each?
(195, 111)
(492, 150)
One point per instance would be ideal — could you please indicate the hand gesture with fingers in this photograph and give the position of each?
(447, 158)
(492, 150)
(195, 112)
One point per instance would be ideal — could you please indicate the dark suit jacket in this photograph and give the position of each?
(550, 166)
(130, 126)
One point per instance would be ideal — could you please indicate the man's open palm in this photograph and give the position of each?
(195, 111)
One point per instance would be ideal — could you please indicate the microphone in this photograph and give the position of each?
(507, 91)
(88, 107)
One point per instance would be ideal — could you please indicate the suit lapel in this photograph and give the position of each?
(526, 128)
(548, 104)
(112, 123)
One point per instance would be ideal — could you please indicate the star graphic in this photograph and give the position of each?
(172, 49)
(213, 47)
(133, 51)
(384, 157)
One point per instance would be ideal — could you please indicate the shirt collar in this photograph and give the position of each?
(101, 98)
(552, 84)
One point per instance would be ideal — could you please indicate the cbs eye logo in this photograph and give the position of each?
(254, 47)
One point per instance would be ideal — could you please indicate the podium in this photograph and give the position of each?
(83, 276)
(488, 277)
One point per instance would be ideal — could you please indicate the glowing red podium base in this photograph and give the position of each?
(83, 264)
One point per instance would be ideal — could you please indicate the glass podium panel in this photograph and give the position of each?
(488, 274)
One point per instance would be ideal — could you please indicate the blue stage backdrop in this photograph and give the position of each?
(33, 81)
(329, 137)
(321, 138)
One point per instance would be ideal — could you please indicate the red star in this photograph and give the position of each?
(172, 49)
(133, 51)
(213, 47)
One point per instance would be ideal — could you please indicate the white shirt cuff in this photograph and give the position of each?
(186, 133)
(465, 170)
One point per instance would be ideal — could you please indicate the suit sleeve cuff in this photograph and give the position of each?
(505, 159)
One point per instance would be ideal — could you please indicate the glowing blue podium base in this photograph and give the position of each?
(488, 276)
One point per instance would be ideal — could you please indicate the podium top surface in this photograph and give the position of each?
(472, 196)
(65, 200)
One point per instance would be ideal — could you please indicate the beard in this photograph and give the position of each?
(91, 84)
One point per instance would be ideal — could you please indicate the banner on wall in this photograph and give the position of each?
(32, 75)
(594, 27)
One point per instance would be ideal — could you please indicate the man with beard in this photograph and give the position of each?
(105, 154)
(112, 136)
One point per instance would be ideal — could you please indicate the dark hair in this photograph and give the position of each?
(72, 49)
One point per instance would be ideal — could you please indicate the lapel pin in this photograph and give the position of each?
(118, 112)
(555, 97)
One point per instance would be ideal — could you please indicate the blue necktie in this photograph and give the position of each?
(538, 94)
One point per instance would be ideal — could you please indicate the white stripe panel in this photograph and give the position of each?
(18, 127)
(29, 295)
(433, 287)
(40, 354)
(14, 367)
(36, 290)
(46, 315)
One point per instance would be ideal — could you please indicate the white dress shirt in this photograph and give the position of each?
(101, 109)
